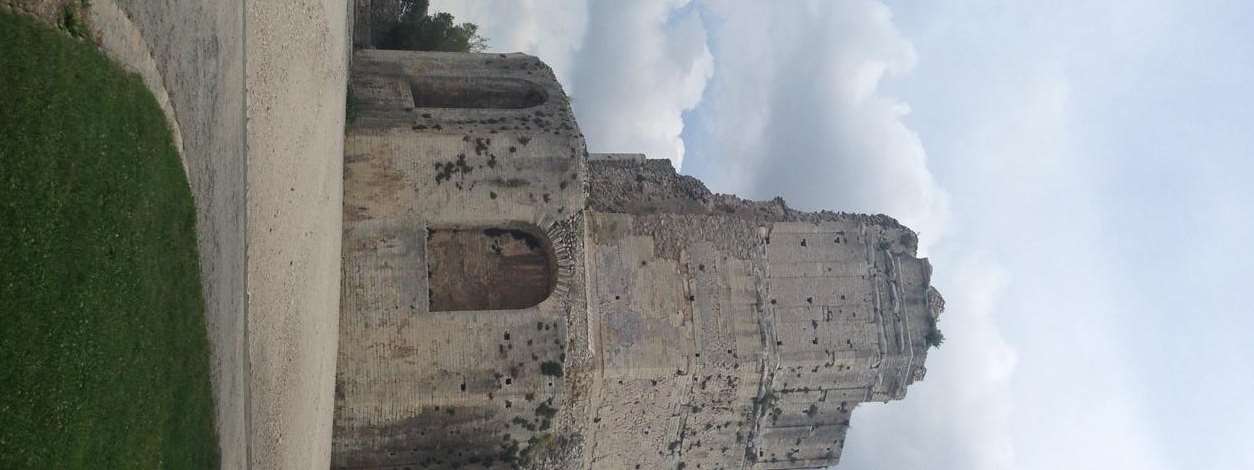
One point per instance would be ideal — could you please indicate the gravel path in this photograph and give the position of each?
(296, 77)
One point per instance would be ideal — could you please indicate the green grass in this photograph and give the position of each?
(103, 355)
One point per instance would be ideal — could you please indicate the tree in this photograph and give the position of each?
(417, 30)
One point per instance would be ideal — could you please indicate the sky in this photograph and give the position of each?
(1080, 174)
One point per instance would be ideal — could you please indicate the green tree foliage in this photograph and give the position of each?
(418, 30)
(933, 337)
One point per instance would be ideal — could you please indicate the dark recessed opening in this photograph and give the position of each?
(475, 92)
(489, 268)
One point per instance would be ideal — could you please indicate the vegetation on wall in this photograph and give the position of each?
(551, 368)
(933, 337)
(418, 30)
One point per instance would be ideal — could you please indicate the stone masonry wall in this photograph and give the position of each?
(739, 334)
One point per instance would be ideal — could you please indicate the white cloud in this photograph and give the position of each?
(1027, 187)
(795, 109)
(641, 66)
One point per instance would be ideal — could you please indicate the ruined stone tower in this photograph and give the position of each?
(510, 301)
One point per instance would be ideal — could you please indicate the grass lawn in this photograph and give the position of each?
(103, 356)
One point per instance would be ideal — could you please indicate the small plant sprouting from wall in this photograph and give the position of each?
(551, 368)
(933, 337)
(545, 413)
(352, 106)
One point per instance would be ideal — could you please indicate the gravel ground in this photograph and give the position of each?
(296, 75)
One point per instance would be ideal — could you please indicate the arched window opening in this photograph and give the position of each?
(475, 92)
(489, 268)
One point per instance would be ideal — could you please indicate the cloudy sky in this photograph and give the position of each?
(1081, 174)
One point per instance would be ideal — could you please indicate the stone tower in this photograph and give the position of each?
(510, 301)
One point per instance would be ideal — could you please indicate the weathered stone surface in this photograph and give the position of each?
(416, 386)
(686, 329)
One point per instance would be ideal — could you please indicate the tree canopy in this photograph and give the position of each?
(417, 30)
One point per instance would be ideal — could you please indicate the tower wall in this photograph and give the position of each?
(750, 330)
